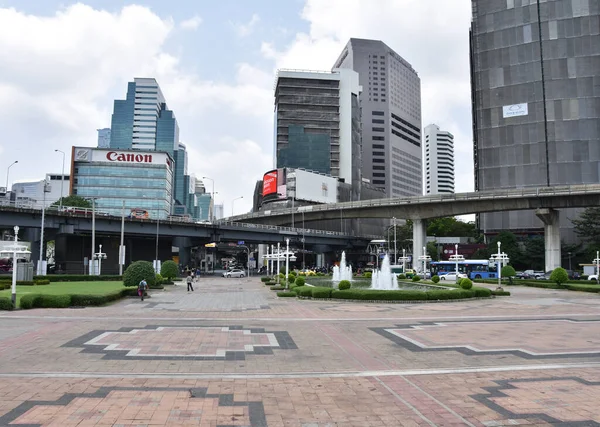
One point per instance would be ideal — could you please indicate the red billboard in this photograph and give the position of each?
(270, 183)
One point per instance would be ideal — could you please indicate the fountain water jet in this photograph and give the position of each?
(341, 272)
(384, 279)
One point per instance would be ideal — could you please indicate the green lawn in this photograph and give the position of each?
(61, 288)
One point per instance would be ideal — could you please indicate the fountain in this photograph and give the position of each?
(343, 272)
(384, 279)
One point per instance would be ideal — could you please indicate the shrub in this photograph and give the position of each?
(304, 291)
(481, 292)
(559, 276)
(367, 274)
(509, 272)
(158, 279)
(78, 278)
(90, 300)
(282, 275)
(45, 301)
(265, 279)
(416, 278)
(137, 271)
(169, 269)
(28, 300)
(401, 276)
(277, 288)
(300, 281)
(320, 292)
(466, 283)
(41, 282)
(5, 304)
(435, 279)
(291, 279)
(501, 293)
(286, 294)
(344, 284)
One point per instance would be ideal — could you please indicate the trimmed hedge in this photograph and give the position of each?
(7, 284)
(300, 281)
(78, 278)
(320, 292)
(137, 271)
(5, 303)
(501, 293)
(481, 292)
(277, 288)
(344, 284)
(265, 279)
(435, 279)
(466, 283)
(286, 294)
(416, 278)
(74, 300)
(304, 291)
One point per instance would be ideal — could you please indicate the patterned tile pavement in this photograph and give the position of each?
(233, 354)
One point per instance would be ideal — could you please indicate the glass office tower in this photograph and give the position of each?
(535, 74)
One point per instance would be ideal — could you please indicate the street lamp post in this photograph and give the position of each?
(14, 267)
(7, 172)
(597, 262)
(157, 262)
(62, 179)
(92, 263)
(122, 245)
(237, 198)
(569, 253)
(395, 255)
(456, 258)
(500, 258)
(100, 256)
(212, 213)
(40, 268)
(425, 258)
(278, 256)
(403, 258)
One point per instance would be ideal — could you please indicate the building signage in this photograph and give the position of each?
(514, 110)
(115, 156)
(270, 183)
(122, 156)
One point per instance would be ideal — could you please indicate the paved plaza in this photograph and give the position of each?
(234, 354)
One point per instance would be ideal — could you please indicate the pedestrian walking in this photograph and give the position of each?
(189, 281)
(142, 286)
(197, 273)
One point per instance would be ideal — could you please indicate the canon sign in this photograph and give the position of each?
(113, 156)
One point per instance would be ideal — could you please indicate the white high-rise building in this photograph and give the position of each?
(438, 152)
(103, 138)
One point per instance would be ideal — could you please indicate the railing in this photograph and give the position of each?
(398, 201)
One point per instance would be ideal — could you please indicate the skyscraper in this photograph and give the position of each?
(391, 116)
(317, 121)
(103, 138)
(438, 153)
(536, 99)
(142, 121)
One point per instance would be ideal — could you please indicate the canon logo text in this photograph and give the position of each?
(113, 156)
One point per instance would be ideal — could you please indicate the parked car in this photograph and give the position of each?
(593, 277)
(543, 276)
(522, 275)
(573, 275)
(234, 273)
(451, 277)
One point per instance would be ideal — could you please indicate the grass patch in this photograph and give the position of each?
(101, 288)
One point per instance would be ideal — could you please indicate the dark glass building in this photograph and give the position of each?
(535, 75)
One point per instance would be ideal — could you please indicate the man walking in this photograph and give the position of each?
(142, 286)
(189, 281)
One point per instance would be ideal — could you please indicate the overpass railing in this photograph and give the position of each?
(291, 230)
(397, 201)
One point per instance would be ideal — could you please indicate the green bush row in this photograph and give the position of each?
(72, 300)
(277, 288)
(265, 279)
(78, 278)
(501, 293)
(377, 295)
(5, 303)
(8, 284)
(286, 294)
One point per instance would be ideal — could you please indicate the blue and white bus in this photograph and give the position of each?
(473, 268)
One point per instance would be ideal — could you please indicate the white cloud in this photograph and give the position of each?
(191, 23)
(246, 29)
(61, 73)
(431, 35)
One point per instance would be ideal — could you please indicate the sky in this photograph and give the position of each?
(63, 63)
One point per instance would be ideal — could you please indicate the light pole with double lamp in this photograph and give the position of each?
(425, 258)
(237, 198)
(500, 258)
(403, 258)
(8, 171)
(62, 179)
(212, 213)
(597, 262)
(456, 258)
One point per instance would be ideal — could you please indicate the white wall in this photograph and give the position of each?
(348, 85)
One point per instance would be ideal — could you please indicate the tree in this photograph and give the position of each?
(75, 201)
(404, 235)
(169, 270)
(510, 246)
(432, 251)
(137, 271)
(508, 271)
(451, 227)
(559, 276)
(535, 253)
(587, 226)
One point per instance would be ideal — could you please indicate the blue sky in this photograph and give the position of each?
(65, 62)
